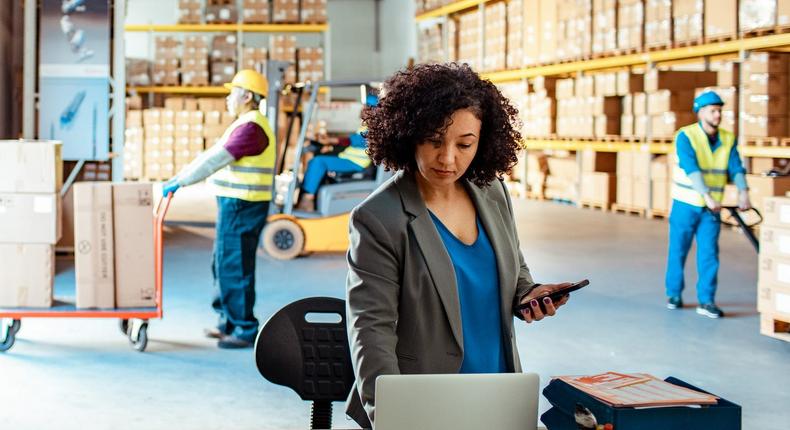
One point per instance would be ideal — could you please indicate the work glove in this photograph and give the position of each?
(170, 186)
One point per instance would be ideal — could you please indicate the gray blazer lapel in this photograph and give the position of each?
(434, 252)
(492, 218)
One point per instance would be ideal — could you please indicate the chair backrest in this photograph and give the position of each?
(311, 358)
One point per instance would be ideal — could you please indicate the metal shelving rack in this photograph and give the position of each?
(737, 49)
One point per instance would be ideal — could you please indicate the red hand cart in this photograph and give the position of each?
(133, 321)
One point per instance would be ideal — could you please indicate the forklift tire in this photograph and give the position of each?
(283, 239)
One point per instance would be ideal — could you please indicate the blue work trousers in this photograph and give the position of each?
(239, 226)
(685, 223)
(320, 164)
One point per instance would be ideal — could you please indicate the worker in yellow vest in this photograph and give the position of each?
(705, 158)
(353, 158)
(240, 168)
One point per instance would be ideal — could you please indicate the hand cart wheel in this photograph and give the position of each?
(16, 325)
(7, 334)
(138, 335)
(124, 326)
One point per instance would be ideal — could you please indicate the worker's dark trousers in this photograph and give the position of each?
(687, 222)
(239, 225)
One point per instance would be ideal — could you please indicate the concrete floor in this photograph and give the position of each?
(76, 374)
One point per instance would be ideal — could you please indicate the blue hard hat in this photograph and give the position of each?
(707, 98)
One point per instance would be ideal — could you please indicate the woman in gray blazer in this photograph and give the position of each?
(435, 268)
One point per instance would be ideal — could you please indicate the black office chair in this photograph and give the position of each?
(311, 358)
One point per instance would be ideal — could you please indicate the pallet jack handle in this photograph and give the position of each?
(159, 220)
(746, 228)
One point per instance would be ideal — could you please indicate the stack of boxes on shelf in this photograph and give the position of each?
(31, 176)
(728, 82)
(311, 64)
(114, 262)
(762, 14)
(194, 62)
(537, 172)
(630, 25)
(133, 146)
(253, 57)
(190, 11)
(607, 105)
(604, 26)
(628, 85)
(313, 11)
(159, 145)
(431, 49)
(547, 40)
(255, 12)
(563, 176)
(687, 20)
(661, 185)
(495, 37)
(574, 29)
(283, 48)
(658, 23)
(721, 19)
(469, 37)
(540, 108)
(773, 290)
(598, 179)
(577, 107)
(765, 87)
(221, 12)
(514, 18)
(223, 59)
(166, 61)
(633, 185)
(669, 98)
(285, 11)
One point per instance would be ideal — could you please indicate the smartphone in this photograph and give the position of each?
(555, 296)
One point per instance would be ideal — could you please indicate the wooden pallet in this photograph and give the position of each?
(656, 213)
(775, 326)
(763, 141)
(721, 38)
(629, 209)
(601, 206)
(757, 32)
(627, 51)
(785, 141)
(632, 139)
(658, 47)
(661, 139)
(692, 42)
(611, 138)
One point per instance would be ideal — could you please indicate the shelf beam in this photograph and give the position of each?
(450, 9)
(654, 148)
(179, 90)
(221, 28)
(710, 49)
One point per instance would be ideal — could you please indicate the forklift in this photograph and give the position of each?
(289, 232)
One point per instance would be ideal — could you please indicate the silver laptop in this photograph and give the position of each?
(504, 401)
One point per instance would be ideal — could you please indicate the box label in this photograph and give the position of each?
(783, 273)
(43, 205)
(784, 213)
(782, 303)
(784, 244)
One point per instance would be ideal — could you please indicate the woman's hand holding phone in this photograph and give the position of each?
(537, 304)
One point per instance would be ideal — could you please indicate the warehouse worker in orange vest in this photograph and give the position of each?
(240, 169)
(705, 157)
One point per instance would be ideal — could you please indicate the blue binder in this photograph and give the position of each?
(563, 397)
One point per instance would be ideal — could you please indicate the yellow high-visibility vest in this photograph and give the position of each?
(357, 155)
(713, 165)
(249, 178)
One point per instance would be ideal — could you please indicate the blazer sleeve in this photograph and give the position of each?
(372, 291)
(525, 283)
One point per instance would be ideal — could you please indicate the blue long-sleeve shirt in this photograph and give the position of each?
(688, 158)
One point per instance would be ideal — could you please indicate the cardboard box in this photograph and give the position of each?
(93, 234)
(721, 18)
(728, 75)
(30, 166)
(641, 193)
(775, 211)
(669, 101)
(598, 188)
(640, 103)
(607, 125)
(27, 274)
(765, 105)
(766, 62)
(760, 165)
(134, 245)
(674, 80)
(628, 83)
(625, 191)
(764, 126)
(766, 83)
(660, 169)
(30, 218)
(627, 125)
(662, 199)
(774, 270)
(773, 299)
(775, 241)
(593, 161)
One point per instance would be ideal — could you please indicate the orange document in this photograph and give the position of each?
(637, 390)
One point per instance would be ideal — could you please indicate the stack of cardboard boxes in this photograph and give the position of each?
(761, 14)
(159, 144)
(773, 288)
(628, 85)
(604, 26)
(728, 82)
(658, 23)
(133, 146)
(285, 11)
(194, 62)
(255, 12)
(313, 11)
(670, 97)
(537, 172)
(253, 57)
(221, 12)
(544, 19)
(311, 64)
(469, 36)
(661, 185)
(630, 24)
(190, 11)
(765, 109)
(562, 178)
(633, 186)
(721, 19)
(598, 180)
(577, 107)
(137, 72)
(283, 48)
(114, 254)
(223, 59)
(574, 29)
(495, 37)
(515, 34)
(540, 110)
(430, 48)
(687, 20)
(165, 67)
(31, 175)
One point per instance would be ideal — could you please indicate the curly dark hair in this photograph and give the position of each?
(417, 104)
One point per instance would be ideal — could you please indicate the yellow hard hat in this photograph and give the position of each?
(250, 80)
